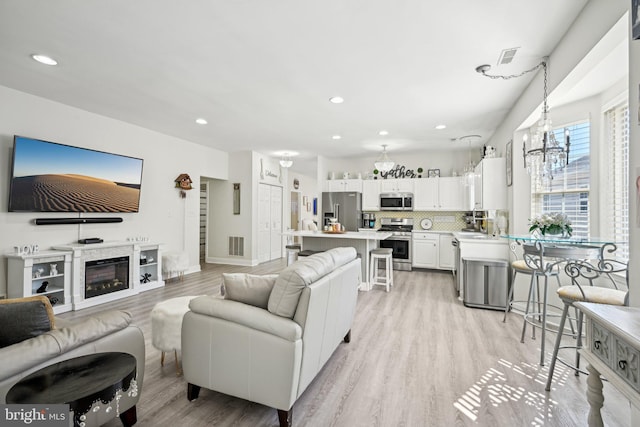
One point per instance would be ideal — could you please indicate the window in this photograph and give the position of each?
(616, 121)
(568, 192)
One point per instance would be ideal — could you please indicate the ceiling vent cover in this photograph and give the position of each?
(507, 56)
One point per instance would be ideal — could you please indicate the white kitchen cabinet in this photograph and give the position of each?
(344, 185)
(404, 185)
(490, 185)
(425, 196)
(371, 195)
(425, 250)
(445, 194)
(47, 272)
(446, 252)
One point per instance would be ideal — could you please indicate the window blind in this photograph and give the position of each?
(569, 190)
(617, 191)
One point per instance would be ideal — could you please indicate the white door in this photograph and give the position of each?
(275, 208)
(264, 222)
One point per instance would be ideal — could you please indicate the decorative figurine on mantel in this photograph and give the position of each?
(54, 270)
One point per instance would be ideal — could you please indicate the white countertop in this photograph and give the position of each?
(480, 238)
(357, 235)
(432, 231)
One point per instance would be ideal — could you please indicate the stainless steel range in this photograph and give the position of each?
(399, 241)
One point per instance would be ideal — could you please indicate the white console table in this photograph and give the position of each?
(612, 348)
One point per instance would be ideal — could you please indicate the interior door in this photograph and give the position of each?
(264, 223)
(275, 208)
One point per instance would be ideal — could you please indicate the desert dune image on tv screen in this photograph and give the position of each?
(50, 177)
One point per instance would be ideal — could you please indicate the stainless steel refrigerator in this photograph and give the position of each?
(344, 205)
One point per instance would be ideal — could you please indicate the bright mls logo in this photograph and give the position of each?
(34, 415)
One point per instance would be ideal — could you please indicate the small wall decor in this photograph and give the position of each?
(236, 198)
(183, 182)
(509, 150)
(433, 173)
(296, 183)
(635, 19)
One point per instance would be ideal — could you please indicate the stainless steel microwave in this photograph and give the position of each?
(396, 201)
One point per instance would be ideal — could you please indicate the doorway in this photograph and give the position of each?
(204, 214)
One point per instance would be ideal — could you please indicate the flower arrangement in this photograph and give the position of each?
(554, 223)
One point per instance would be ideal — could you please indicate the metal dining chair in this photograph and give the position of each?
(601, 283)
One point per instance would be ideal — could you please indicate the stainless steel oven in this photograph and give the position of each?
(399, 242)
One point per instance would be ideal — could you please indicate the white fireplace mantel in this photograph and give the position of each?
(82, 253)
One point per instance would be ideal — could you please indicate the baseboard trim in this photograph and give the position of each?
(232, 261)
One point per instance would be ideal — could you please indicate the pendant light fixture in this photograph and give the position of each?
(384, 164)
(286, 161)
(469, 169)
(543, 154)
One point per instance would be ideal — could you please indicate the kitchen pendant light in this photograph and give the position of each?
(384, 164)
(286, 161)
(469, 169)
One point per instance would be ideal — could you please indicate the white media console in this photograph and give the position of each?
(77, 276)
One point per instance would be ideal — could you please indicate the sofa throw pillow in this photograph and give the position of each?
(24, 318)
(283, 300)
(249, 289)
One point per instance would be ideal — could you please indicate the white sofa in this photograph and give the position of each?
(107, 331)
(269, 349)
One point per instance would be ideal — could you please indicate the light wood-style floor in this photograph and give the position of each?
(417, 357)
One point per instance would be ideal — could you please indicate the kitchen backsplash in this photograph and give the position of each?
(442, 221)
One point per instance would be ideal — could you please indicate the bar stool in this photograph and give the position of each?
(593, 273)
(520, 266)
(377, 255)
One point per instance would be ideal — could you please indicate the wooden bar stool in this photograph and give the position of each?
(374, 278)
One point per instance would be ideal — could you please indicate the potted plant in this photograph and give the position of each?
(376, 172)
(553, 224)
(420, 170)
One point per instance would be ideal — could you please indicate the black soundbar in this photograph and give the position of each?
(56, 221)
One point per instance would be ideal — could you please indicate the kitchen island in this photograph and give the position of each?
(362, 241)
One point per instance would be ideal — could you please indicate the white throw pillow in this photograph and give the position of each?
(249, 289)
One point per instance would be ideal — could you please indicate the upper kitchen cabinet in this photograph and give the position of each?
(405, 185)
(371, 195)
(439, 194)
(489, 185)
(344, 185)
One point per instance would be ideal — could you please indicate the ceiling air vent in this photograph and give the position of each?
(507, 56)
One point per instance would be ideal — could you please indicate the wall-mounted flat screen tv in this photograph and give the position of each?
(52, 177)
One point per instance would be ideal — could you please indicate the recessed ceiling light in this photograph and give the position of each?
(44, 59)
(336, 137)
(440, 127)
(383, 133)
(201, 121)
(336, 100)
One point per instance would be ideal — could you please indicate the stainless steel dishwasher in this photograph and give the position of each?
(486, 283)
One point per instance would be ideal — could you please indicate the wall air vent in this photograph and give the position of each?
(236, 246)
(506, 56)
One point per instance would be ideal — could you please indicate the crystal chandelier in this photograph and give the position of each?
(384, 164)
(545, 155)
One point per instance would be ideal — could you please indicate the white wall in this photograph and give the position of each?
(446, 161)
(163, 216)
(248, 168)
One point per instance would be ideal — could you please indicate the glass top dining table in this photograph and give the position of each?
(560, 239)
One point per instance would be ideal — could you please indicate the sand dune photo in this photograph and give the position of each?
(72, 193)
